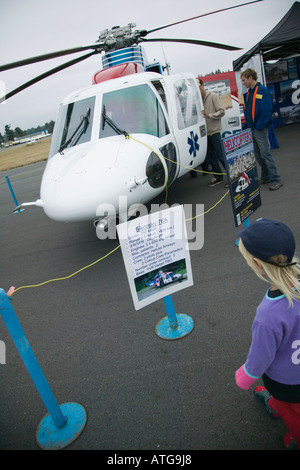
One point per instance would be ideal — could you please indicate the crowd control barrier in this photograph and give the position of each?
(63, 423)
(246, 224)
(173, 326)
(13, 196)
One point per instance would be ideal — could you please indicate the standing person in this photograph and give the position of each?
(213, 112)
(258, 116)
(268, 246)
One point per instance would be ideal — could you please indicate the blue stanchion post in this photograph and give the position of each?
(168, 301)
(173, 326)
(246, 224)
(63, 423)
(13, 195)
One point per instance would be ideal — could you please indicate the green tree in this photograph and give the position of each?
(9, 132)
(49, 126)
(19, 132)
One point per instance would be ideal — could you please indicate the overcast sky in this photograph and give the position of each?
(32, 27)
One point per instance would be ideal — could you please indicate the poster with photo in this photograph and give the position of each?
(242, 175)
(276, 72)
(156, 255)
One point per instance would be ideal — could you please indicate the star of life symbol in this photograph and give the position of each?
(193, 143)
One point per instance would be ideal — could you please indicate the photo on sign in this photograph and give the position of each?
(242, 170)
(160, 279)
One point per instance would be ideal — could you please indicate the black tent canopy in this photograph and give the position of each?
(281, 42)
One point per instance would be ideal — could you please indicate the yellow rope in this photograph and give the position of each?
(158, 156)
(206, 212)
(108, 254)
(71, 275)
(176, 163)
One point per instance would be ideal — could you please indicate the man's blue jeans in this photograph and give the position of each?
(263, 155)
(215, 154)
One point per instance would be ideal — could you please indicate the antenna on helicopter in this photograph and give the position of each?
(166, 67)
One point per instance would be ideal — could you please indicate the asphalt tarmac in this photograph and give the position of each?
(140, 392)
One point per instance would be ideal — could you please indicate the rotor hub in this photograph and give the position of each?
(120, 37)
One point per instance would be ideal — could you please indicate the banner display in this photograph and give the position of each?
(242, 175)
(156, 255)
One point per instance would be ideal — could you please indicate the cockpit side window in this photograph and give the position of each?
(160, 89)
(133, 110)
(186, 97)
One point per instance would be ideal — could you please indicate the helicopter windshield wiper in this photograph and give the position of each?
(111, 123)
(79, 131)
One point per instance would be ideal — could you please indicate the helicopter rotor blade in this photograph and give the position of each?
(99, 47)
(45, 75)
(200, 16)
(195, 41)
(51, 55)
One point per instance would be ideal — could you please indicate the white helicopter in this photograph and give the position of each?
(126, 137)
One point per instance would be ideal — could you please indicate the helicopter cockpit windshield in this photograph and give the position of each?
(125, 111)
(74, 125)
(133, 110)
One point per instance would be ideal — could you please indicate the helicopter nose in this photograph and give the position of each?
(81, 183)
(73, 182)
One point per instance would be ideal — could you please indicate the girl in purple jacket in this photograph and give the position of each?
(268, 246)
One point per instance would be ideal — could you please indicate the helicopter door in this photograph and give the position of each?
(185, 110)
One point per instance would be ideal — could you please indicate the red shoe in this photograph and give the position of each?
(290, 442)
(263, 395)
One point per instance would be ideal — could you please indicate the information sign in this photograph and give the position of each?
(242, 175)
(156, 255)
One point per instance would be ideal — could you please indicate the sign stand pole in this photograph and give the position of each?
(246, 224)
(64, 423)
(173, 326)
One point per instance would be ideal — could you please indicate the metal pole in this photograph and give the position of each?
(13, 325)
(13, 195)
(262, 66)
(173, 326)
(171, 311)
(63, 423)
(247, 222)
(11, 190)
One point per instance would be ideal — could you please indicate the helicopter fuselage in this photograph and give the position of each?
(123, 139)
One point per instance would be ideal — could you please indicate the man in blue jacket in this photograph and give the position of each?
(258, 116)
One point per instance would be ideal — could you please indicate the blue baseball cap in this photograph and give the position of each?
(265, 238)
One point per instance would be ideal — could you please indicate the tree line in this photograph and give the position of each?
(10, 134)
(213, 73)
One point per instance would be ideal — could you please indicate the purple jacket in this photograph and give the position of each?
(275, 347)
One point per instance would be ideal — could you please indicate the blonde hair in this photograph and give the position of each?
(283, 278)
